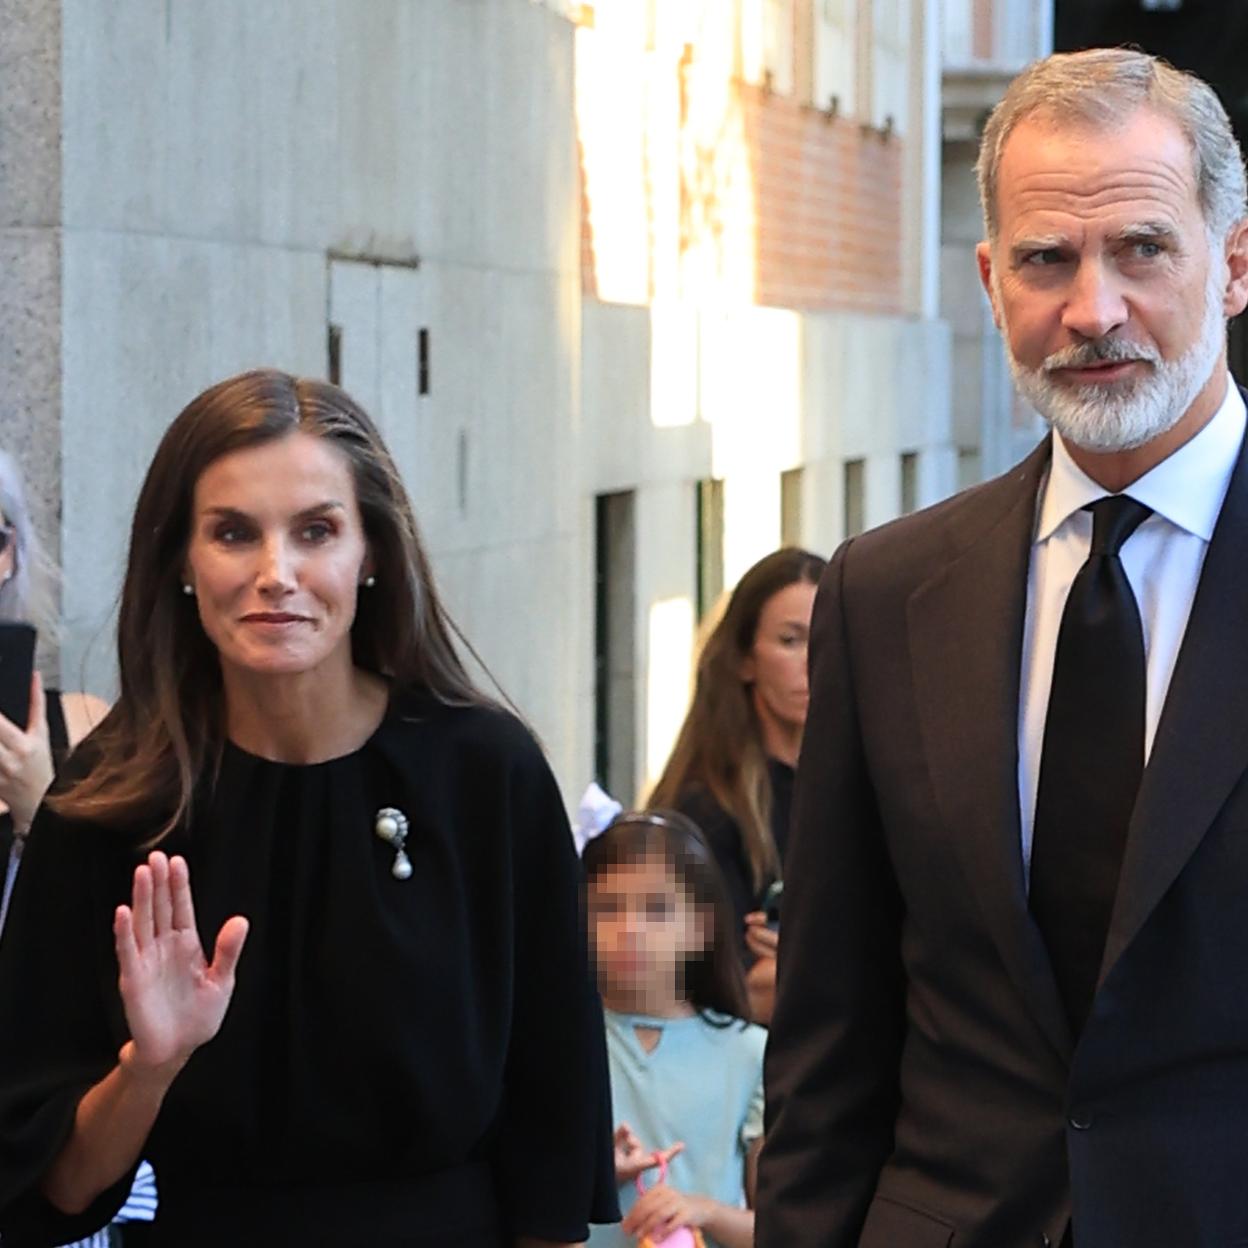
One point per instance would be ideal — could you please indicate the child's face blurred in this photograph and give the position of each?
(644, 927)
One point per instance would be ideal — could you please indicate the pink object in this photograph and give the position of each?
(682, 1236)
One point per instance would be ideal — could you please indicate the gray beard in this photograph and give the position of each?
(1125, 415)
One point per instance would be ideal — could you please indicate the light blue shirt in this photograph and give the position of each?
(703, 1084)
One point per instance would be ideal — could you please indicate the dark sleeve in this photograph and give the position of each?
(58, 1033)
(835, 1042)
(555, 1165)
(723, 836)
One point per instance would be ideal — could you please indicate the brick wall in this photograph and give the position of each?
(825, 228)
(828, 208)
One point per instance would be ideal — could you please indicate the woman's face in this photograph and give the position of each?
(776, 663)
(276, 556)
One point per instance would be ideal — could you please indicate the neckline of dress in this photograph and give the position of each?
(232, 746)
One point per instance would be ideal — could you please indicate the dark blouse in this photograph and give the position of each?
(723, 834)
(404, 1062)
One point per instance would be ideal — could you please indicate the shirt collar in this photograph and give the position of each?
(1187, 487)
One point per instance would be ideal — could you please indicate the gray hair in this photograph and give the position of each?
(1103, 86)
(29, 595)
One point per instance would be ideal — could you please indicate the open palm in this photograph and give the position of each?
(174, 999)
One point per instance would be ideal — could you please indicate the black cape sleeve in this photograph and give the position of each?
(555, 1165)
(60, 1018)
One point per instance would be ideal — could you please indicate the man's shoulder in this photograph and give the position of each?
(905, 552)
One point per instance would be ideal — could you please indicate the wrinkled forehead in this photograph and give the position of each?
(1077, 174)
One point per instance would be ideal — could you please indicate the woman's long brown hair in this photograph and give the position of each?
(720, 746)
(165, 733)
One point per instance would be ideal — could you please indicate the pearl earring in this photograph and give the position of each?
(370, 581)
(392, 827)
(189, 590)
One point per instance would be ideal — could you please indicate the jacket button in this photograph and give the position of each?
(1081, 1121)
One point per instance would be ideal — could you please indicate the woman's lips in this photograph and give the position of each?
(274, 619)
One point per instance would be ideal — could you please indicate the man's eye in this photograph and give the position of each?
(1041, 259)
(1148, 250)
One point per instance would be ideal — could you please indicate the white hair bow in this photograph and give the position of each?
(593, 816)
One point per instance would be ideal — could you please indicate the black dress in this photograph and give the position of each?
(723, 835)
(404, 1062)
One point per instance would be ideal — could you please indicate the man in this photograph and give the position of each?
(1013, 985)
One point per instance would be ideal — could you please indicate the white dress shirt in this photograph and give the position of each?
(1162, 559)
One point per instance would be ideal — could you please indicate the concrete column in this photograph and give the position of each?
(30, 256)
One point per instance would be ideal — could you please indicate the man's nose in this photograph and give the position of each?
(1096, 306)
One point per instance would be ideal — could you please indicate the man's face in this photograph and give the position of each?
(1102, 277)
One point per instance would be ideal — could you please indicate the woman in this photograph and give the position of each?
(29, 757)
(300, 776)
(732, 767)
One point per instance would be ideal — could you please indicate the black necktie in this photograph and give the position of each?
(1092, 759)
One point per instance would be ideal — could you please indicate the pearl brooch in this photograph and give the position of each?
(392, 826)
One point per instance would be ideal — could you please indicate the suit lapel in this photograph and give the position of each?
(966, 637)
(1201, 747)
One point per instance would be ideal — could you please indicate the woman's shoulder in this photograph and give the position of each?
(721, 830)
(83, 712)
(483, 728)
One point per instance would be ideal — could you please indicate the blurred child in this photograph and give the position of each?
(686, 1071)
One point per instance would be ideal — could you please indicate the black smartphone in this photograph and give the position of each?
(17, 668)
(771, 903)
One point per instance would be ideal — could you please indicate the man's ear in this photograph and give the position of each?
(1235, 297)
(983, 259)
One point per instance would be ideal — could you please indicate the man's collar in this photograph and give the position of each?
(1187, 487)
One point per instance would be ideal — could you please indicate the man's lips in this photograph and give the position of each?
(1101, 370)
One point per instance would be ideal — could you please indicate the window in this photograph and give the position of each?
(909, 482)
(791, 507)
(615, 607)
(835, 38)
(890, 77)
(855, 497)
(709, 504)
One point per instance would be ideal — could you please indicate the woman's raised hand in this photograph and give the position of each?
(174, 1000)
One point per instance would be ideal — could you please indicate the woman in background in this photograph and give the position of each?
(30, 757)
(732, 768)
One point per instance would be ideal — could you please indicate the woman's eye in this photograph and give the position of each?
(317, 531)
(231, 534)
(659, 909)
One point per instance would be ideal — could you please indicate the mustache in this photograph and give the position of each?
(1100, 351)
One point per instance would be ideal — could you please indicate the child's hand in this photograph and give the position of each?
(663, 1210)
(632, 1158)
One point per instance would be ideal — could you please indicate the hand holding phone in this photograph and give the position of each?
(17, 666)
(25, 750)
